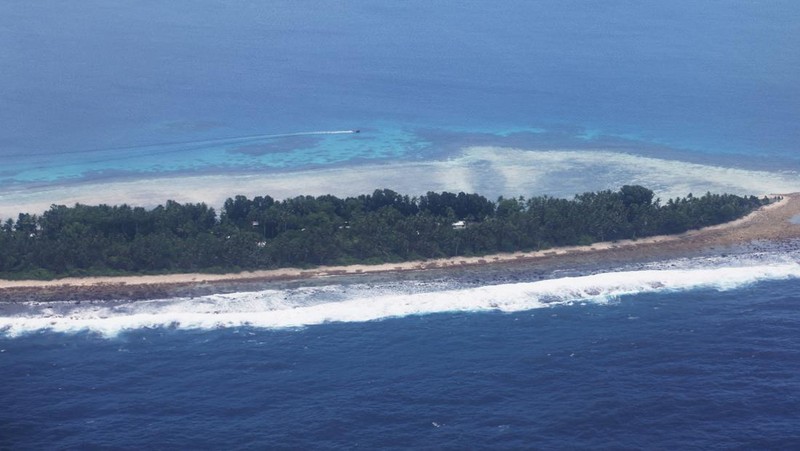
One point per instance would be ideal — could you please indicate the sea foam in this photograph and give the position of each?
(302, 307)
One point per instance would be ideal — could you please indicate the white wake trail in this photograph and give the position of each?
(281, 135)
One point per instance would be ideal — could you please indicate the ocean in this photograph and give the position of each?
(699, 353)
(196, 101)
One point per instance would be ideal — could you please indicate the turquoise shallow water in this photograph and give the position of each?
(688, 80)
(101, 91)
(234, 154)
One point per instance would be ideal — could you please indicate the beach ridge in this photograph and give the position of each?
(770, 223)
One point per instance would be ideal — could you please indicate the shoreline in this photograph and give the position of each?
(490, 170)
(771, 223)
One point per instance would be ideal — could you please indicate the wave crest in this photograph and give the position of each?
(358, 303)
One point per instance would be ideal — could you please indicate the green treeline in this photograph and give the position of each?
(303, 231)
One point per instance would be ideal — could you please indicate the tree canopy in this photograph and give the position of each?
(383, 226)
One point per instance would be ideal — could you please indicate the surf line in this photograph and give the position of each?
(196, 143)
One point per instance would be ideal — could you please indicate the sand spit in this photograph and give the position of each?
(490, 171)
(773, 223)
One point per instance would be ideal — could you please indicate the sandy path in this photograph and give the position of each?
(772, 223)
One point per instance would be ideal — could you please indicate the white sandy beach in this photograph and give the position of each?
(490, 171)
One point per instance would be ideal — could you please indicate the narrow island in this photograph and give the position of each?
(111, 250)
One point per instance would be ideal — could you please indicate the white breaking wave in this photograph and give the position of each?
(337, 303)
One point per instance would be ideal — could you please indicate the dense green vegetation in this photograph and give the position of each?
(303, 231)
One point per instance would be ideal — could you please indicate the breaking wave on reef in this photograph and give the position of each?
(308, 306)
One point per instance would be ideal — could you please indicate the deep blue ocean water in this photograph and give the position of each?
(696, 370)
(111, 90)
(685, 354)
